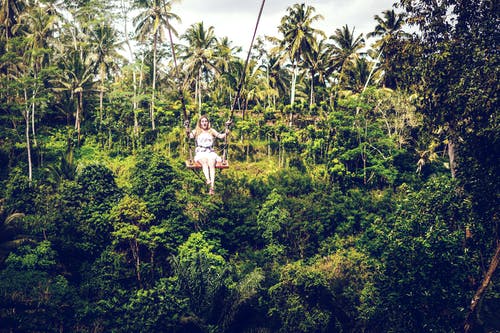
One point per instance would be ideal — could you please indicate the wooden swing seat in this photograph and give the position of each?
(196, 165)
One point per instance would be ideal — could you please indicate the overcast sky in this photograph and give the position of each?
(236, 19)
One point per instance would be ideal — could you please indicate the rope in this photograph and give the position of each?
(240, 84)
(242, 81)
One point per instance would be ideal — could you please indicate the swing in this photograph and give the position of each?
(224, 164)
(191, 164)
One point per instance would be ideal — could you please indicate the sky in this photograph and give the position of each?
(236, 19)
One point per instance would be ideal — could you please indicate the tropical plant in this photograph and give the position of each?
(152, 22)
(299, 38)
(199, 57)
(345, 50)
(388, 29)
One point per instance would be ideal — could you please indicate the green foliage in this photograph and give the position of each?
(154, 180)
(334, 293)
(159, 309)
(33, 294)
(459, 100)
(40, 258)
(97, 193)
(19, 194)
(424, 257)
(106, 287)
(334, 215)
(201, 276)
(301, 300)
(271, 217)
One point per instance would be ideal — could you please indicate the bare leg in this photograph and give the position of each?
(206, 168)
(211, 163)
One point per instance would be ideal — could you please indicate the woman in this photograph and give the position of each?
(204, 154)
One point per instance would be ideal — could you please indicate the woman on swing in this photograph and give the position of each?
(204, 154)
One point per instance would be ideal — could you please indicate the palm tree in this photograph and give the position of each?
(299, 38)
(256, 86)
(279, 76)
(227, 65)
(74, 54)
(105, 55)
(10, 10)
(387, 28)
(358, 74)
(199, 56)
(345, 49)
(153, 21)
(320, 67)
(76, 73)
(38, 23)
(9, 238)
(262, 56)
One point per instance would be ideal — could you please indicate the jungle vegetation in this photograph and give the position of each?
(362, 193)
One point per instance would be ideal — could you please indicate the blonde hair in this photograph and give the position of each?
(198, 128)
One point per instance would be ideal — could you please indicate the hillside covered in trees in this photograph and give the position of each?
(362, 193)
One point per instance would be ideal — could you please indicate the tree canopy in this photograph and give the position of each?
(361, 196)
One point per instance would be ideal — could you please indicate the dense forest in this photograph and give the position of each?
(361, 196)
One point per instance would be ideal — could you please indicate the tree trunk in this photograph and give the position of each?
(33, 112)
(79, 112)
(372, 70)
(27, 132)
(198, 89)
(134, 75)
(101, 102)
(480, 291)
(311, 95)
(139, 89)
(134, 247)
(292, 92)
(451, 156)
(135, 105)
(152, 112)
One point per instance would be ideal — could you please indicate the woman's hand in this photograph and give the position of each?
(228, 123)
(186, 126)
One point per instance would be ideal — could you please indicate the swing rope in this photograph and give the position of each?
(241, 83)
(242, 78)
(236, 98)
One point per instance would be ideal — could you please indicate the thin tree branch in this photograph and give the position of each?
(482, 288)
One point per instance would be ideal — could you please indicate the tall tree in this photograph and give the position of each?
(227, 63)
(278, 77)
(458, 86)
(345, 49)
(199, 56)
(75, 76)
(152, 22)
(388, 28)
(105, 56)
(299, 37)
(38, 24)
(9, 14)
(320, 67)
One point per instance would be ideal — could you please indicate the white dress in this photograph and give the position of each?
(204, 145)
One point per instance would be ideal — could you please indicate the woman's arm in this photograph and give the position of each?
(217, 134)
